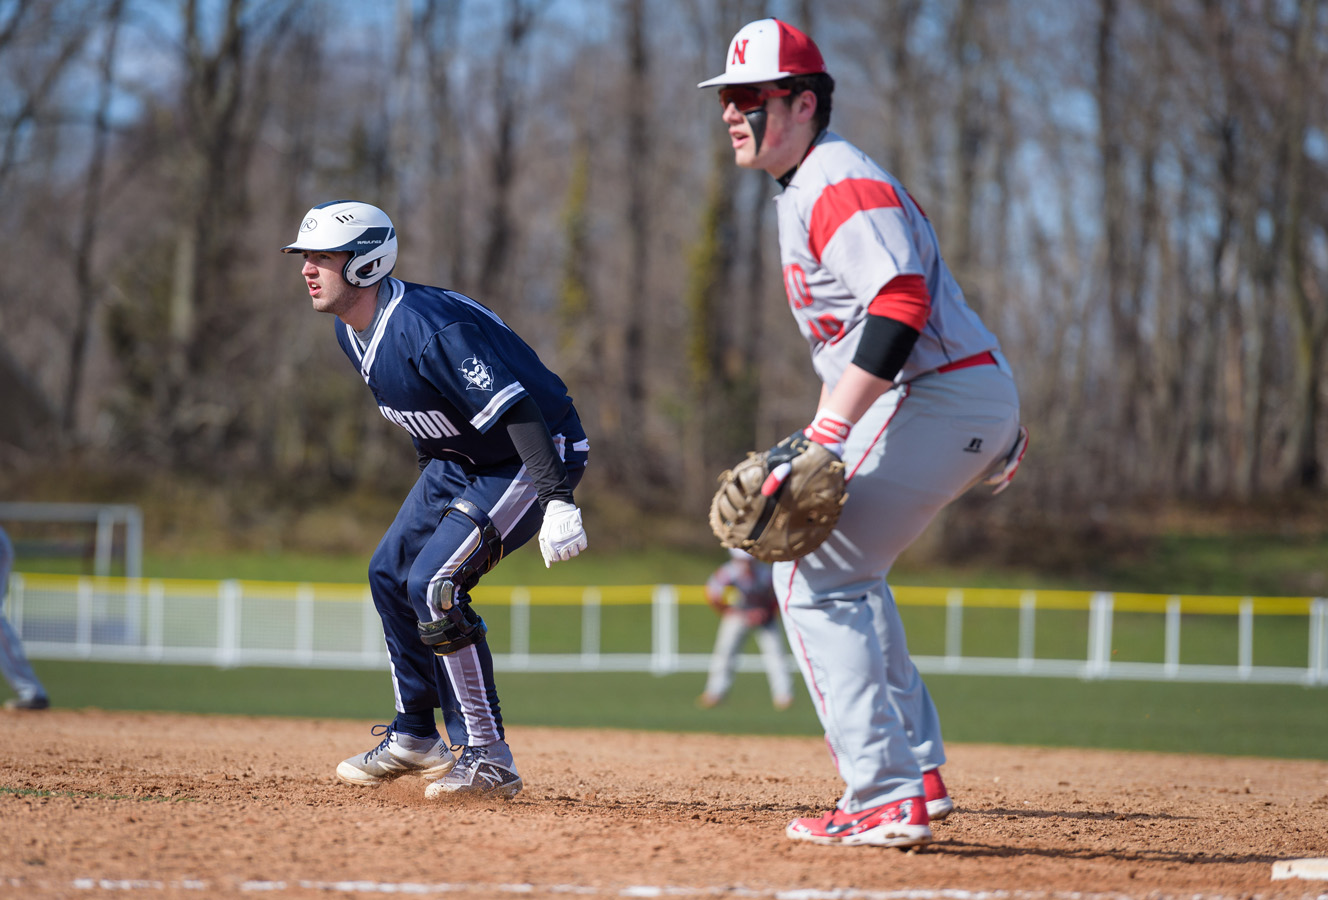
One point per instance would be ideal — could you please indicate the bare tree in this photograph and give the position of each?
(519, 18)
(1131, 191)
(88, 286)
(1309, 316)
(631, 464)
(40, 41)
(444, 180)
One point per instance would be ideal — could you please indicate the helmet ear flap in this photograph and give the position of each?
(362, 275)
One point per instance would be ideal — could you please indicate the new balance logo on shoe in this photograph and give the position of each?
(476, 774)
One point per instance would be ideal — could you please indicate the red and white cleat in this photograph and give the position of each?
(939, 804)
(899, 824)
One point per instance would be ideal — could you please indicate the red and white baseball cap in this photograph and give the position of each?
(768, 50)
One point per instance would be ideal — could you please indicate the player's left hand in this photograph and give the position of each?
(562, 535)
(1001, 478)
(755, 618)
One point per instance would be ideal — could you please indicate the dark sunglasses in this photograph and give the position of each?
(748, 99)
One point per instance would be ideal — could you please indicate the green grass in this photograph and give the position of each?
(1240, 720)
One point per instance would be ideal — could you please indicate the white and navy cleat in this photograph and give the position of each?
(476, 774)
(398, 754)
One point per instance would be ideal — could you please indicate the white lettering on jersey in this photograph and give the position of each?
(428, 423)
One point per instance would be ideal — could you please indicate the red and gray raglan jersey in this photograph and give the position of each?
(852, 240)
(751, 580)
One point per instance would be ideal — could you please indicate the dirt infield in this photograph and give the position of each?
(95, 803)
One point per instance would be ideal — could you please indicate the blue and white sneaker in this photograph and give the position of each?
(480, 771)
(398, 754)
(32, 701)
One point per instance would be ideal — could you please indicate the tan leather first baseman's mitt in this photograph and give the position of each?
(777, 513)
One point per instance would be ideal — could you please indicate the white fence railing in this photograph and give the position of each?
(655, 628)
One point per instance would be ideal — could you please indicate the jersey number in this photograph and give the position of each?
(825, 327)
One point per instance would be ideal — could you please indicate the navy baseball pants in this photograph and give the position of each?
(421, 543)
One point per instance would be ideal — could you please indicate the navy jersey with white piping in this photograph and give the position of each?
(445, 368)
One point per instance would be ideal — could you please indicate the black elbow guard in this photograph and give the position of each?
(885, 346)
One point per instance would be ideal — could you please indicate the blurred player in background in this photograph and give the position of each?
(753, 611)
(916, 399)
(14, 662)
(500, 449)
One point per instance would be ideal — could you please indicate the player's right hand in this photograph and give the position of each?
(562, 535)
(830, 430)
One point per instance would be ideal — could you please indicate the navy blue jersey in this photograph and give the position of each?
(445, 368)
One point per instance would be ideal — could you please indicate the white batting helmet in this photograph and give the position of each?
(364, 230)
(768, 50)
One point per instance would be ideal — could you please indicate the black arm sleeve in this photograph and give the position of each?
(525, 426)
(885, 346)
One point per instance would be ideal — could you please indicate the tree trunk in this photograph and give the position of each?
(1303, 467)
(498, 251)
(87, 287)
(445, 186)
(639, 114)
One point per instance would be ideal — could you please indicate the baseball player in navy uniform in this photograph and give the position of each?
(753, 610)
(916, 399)
(500, 448)
(31, 694)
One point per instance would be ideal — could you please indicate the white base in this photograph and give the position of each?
(1308, 869)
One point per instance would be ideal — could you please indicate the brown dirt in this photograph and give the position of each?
(100, 803)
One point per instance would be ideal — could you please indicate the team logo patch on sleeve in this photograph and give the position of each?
(479, 377)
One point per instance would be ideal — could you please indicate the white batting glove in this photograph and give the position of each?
(1000, 479)
(561, 536)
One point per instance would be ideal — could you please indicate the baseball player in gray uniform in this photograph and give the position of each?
(13, 661)
(916, 399)
(754, 611)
